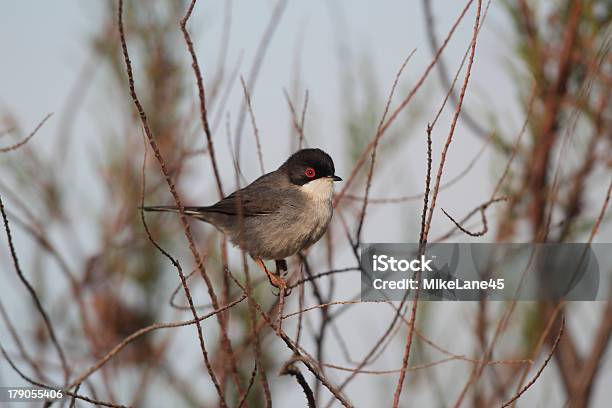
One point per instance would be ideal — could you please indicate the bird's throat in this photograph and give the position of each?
(319, 189)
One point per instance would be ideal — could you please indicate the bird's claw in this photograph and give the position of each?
(280, 284)
(275, 278)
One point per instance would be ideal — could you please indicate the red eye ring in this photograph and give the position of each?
(309, 172)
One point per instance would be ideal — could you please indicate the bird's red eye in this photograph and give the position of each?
(310, 172)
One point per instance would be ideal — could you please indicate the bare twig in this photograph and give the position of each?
(401, 106)
(535, 378)
(260, 54)
(374, 148)
(27, 139)
(242, 401)
(183, 218)
(202, 96)
(247, 97)
(298, 124)
(482, 209)
(34, 296)
(290, 369)
(50, 387)
(427, 225)
(306, 360)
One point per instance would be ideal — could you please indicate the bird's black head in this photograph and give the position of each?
(309, 164)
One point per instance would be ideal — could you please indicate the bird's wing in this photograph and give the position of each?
(258, 198)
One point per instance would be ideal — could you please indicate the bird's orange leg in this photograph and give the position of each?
(275, 280)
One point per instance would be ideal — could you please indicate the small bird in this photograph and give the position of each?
(277, 215)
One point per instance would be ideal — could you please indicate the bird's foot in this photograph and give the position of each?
(275, 280)
(280, 284)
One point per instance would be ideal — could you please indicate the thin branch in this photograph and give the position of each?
(321, 275)
(247, 97)
(202, 96)
(443, 71)
(535, 378)
(402, 105)
(55, 388)
(298, 125)
(377, 137)
(145, 330)
(27, 139)
(260, 54)
(290, 369)
(173, 191)
(482, 209)
(34, 296)
(427, 225)
(602, 212)
(243, 399)
(449, 139)
(422, 236)
(306, 360)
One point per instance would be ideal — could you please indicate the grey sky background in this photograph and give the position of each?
(45, 44)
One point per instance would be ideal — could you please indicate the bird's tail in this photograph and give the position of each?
(191, 211)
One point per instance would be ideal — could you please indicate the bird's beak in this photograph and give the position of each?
(335, 178)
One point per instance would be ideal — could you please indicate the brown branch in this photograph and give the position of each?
(255, 335)
(427, 225)
(401, 107)
(298, 125)
(204, 118)
(247, 97)
(422, 244)
(443, 71)
(55, 388)
(303, 119)
(173, 191)
(223, 50)
(325, 319)
(377, 137)
(428, 365)
(22, 350)
(593, 361)
(301, 281)
(538, 347)
(482, 209)
(27, 139)
(145, 330)
(538, 168)
(548, 358)
(306, 360)
(260, 54)
(73, 397)
(242, 401)
(202, 96)
(602, 212)
(290, 369)
(34, 296)
(453, 125)
(444, 186)
(458, 224)
(422, 236)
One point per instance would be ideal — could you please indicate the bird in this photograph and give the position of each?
(279, 214)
